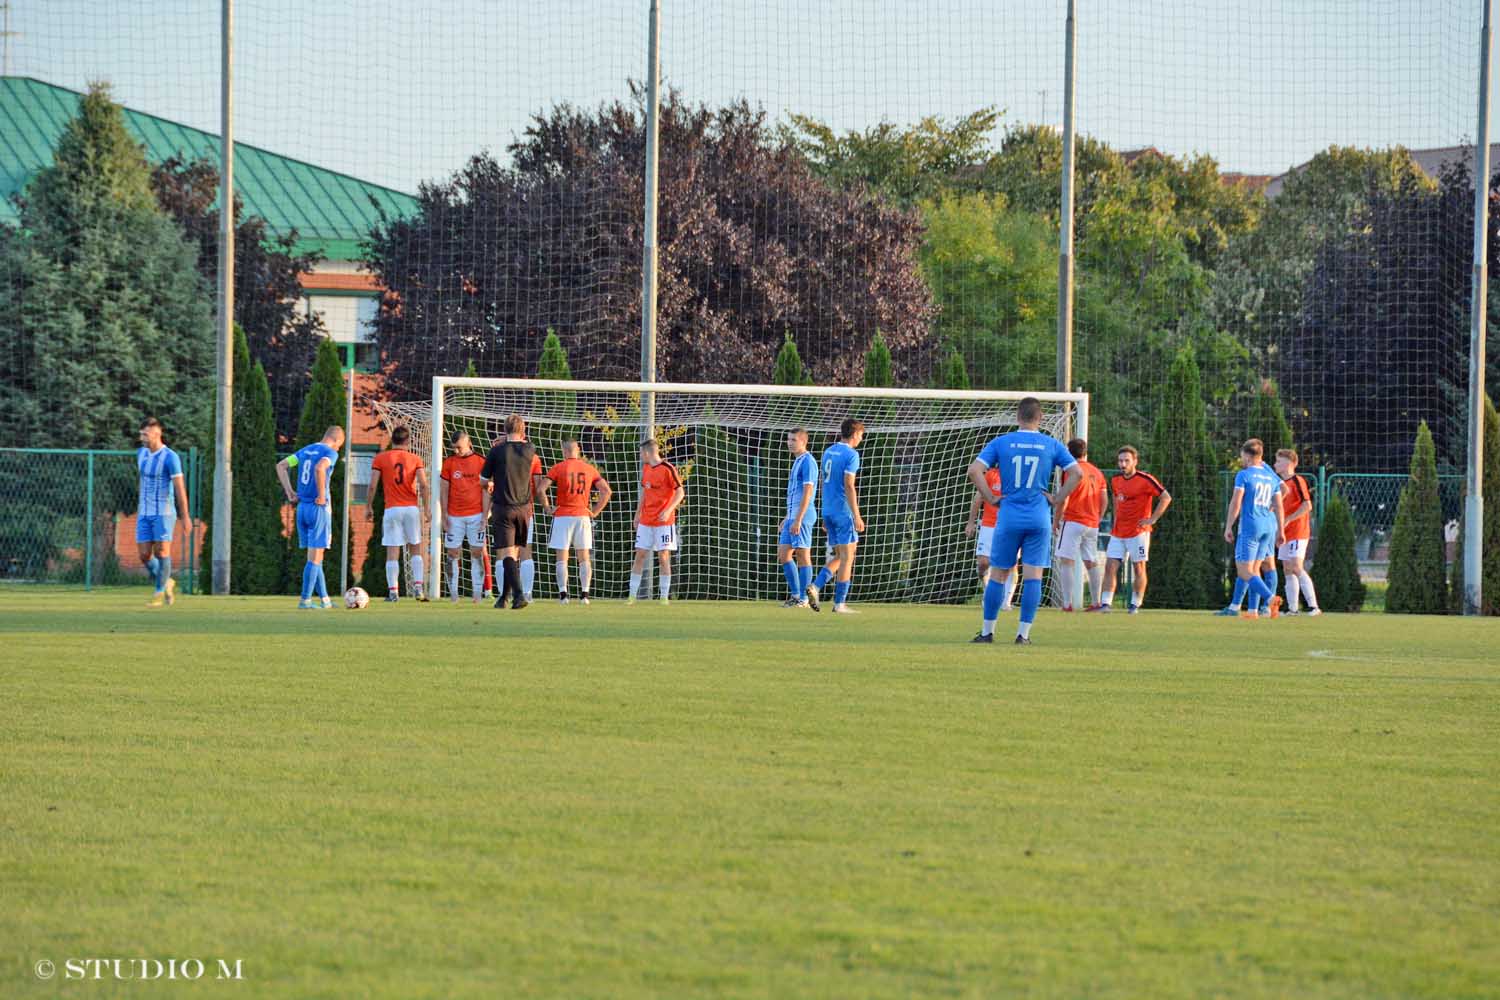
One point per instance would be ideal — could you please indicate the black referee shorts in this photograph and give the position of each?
(508, 526)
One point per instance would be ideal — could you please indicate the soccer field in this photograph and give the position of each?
(737, 800)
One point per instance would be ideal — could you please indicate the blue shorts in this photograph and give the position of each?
(840, 529)
(155, 527)
(1028, 531)
(1255, 544)
(802, 537)
(314, 526)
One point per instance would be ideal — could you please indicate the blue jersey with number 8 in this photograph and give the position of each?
(1025, 460)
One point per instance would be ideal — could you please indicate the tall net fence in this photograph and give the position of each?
(732, 455)
(1277, 193)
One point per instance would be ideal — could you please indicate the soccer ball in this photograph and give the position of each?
(356, 598)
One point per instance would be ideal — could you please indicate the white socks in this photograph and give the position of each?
(476, 574)
(585, 575)
(1293, 592)
(453, 576)
(988, 628)
(1106, 597)
(1307, 588)
(1023, 629)
(666, 586)
(392, 573)
(562, 576)
(1010, 588)
(528, 576)
(1096, 581)
(635, 584)
(416, 572)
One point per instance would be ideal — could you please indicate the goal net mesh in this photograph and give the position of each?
(731, 452)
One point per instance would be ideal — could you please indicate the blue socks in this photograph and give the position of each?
(163, 571)
(153, 566)
(793, 578)
(1259, 592)
(307, 580)
(804, 578)
(994, 596)
(823, 577)
(840, 592)
(320, 581)
(1269, 579)
(1240, 586)
(1031, 599)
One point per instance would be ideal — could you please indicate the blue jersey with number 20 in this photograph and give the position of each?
(1262, 489)
(1025, 460)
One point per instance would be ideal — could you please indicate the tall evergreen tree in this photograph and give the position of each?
(1417, 578)
(878, 364)
(1268, 420)
(1184, 573)
(954, 373)
(1335, 567)
(325, 405)
(789, 369)
(879, 569)
(104, 316)
(257, 529)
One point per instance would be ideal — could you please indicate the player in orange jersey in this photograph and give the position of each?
(656, 518)
(400, 472)
(465, 508)
(1296, 504)
(1079, 538)
(1130, 535)
(985, 514)
(573, 517)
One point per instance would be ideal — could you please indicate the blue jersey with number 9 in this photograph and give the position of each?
(839, 460)
(1025, 460)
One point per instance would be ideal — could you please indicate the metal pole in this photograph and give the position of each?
(348, 481)
(1474, 500)
(1065, 227)
(88, 544)
(224, 424)
(435, 464)
(649, 260)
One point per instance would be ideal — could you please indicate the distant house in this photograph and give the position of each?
(331, 212)
(1430, 160)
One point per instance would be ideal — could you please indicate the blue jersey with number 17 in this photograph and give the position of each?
(1025, 460)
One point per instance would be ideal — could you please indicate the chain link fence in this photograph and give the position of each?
(70, 518)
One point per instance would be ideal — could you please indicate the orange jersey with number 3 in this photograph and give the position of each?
(658, 483)
(398, 476)
(575, 481)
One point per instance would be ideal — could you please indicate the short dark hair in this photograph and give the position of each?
(1253, 447)
(460, 436)
(850, 427)
(799, 431)
(400, 435)
(1290, 454)
(1128, 449)
(1029, 411)
(514, 424)
(650, 443)
(1078, 448)
(150, 422)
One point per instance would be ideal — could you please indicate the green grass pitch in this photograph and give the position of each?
(737, 800)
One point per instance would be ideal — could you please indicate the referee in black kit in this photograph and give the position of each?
(512, 471)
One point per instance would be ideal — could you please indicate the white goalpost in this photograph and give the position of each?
(729, 445)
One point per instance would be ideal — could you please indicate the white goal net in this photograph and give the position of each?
(729, 445)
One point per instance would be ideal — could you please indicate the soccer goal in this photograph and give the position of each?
(729, 445)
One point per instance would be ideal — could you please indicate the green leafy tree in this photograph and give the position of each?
(1417, 577)
(1335, 567)
(102, 311)
(256, 526)
(1184, 573)
(954, 374)
(325, 405)
(1268, 420)
(789, 370)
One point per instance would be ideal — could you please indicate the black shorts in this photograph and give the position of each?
(508, 526)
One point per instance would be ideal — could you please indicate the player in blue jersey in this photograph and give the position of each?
(313, 467)
(162, 500)
(1025, 458)
(841, 518)
(794, 545)
(1256, 502)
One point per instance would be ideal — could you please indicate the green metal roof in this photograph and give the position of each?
(330, 211)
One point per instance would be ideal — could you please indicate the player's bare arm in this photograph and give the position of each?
(1234, 512)
(1162, 503)
(975, 506)
(320, 475)
(545, 496)
(852, 496)
(442, 503)
(370, 495)
(976, 476)
(678, 495)
(605, 492)
(1280, 521)
(284, 473)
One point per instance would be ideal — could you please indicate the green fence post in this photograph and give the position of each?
(88, 543)
(1320, 502)
(192, 533)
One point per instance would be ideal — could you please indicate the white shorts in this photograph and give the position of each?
(402, 526)
(656, 538)
(1138, 548)
(464, 528)
(1292, 548)
(576, 532)
(986, 535)
(1079, 541)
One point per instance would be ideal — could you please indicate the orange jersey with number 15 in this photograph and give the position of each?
(575, 481)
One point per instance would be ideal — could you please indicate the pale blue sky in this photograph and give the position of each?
(398, 92)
